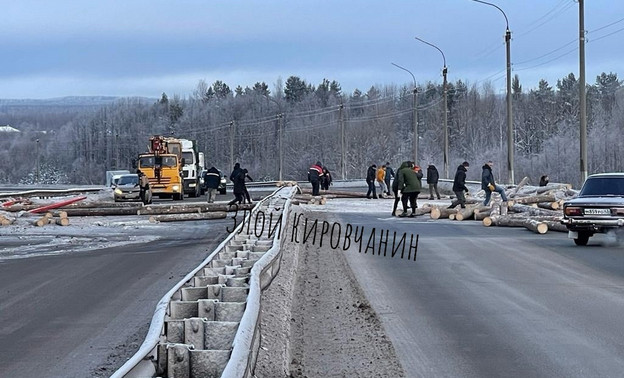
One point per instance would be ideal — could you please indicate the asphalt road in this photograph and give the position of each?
(83, 314)
(496, 302)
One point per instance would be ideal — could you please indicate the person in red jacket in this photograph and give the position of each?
(315, 173)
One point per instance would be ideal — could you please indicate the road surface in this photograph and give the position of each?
(496, 302)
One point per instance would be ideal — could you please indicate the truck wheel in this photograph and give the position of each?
(583, 238)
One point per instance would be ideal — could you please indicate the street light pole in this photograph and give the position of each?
(445, 110)
(510, 136)
(414, 112)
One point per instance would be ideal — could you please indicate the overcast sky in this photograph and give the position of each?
(146, 47)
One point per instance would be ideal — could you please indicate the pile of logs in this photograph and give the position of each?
(538, 209)
(59, 218)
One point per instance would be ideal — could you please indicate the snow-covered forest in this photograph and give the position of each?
(245, 123)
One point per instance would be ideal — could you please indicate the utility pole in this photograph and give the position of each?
(343, 158)
(582, 95)
(232, 131)
(281, 151)
(37, 169)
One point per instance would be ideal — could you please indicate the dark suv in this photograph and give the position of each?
(598, 208)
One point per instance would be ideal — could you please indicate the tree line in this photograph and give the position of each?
(244, 124)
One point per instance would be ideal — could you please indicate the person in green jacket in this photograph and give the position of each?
(410, 184)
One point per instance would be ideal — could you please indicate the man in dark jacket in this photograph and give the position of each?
(459, 186)
(238, 179)
(212, 179)
(432, 179)
(315, 173)
(410, 186)
(395, 187)
(371, 175)
(488, 184)
(389, 176)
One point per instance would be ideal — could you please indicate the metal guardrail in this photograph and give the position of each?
(147, 350)
(247, 342)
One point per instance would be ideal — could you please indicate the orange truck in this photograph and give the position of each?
(162, 164)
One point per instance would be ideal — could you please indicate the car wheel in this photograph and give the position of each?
(583, 238)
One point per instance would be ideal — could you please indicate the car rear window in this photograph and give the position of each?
(603, 186)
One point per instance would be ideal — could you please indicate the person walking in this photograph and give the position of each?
(395, 187)
(432, 179)
(381, 179)
(370, 180)
(238, 179)
(488, 184)
(212, 178)
(314, 177)
(389, 177)
(143, 188)
(459, 186)
(410, 185)
(326, 180)
(246, 192)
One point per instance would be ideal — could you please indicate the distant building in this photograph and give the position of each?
(8, 129)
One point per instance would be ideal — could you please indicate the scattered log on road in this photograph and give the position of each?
(45, 219)
(439, 212)
(464, 214)
(533, 211)
(4, 221)
(338, 193)
(534, 199)
(187, 217)
(515, 221)
(192, 208)
(101, 211)
(549, 205)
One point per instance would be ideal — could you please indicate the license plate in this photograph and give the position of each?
(598, 211)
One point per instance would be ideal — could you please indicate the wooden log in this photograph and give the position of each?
(339, 193)
(62, 221)
(535, 199)
(480, 215)
(187, 217)
(533, 211)
(61, 214)
(549, 205)
(522, 183)
(452, 216)
(514, 221)
(103, 211)
(192, 208)
(440, 212)
(322, 201)
(45, 219)
(536, 226)
(4, 221)
(464, 214)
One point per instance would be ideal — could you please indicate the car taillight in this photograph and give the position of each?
(572, 211)
(618, 211)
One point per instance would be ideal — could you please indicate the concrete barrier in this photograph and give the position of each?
(207, 325)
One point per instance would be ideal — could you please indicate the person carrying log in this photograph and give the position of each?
(459, 186)
(488, 184)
